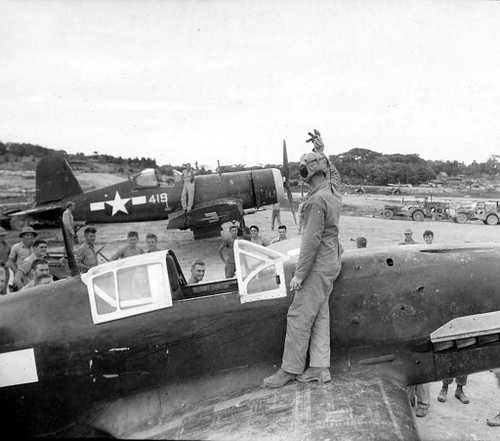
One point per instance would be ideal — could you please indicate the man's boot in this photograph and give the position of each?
(321, 375)
(443, 394)
(279, 379)
(421, 410)
(494, 422)
(460, 395)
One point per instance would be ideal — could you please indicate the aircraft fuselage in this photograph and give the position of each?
(129, 202)
(384, 307)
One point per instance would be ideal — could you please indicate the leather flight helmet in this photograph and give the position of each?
(312, 163)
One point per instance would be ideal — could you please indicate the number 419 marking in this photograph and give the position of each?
(159, 198)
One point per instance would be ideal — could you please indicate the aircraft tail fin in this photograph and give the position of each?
(55, 180)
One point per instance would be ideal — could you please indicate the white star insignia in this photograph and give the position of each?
(118, 204)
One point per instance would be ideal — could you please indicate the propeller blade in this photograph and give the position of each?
(286, 167)
(286, 184)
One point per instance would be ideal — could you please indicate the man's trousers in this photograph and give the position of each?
(308, 325)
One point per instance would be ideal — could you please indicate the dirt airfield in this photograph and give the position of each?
(445, 421)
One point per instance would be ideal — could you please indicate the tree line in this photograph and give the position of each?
(12, 151)
(357, 166)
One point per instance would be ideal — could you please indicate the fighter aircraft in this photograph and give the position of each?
(132, 350)
(151, 195)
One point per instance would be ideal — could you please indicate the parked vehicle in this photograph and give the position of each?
(418, 210)
(488, 212)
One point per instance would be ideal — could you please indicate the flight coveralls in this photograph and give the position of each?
(319, 264)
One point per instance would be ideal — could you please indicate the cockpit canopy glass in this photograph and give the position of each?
(146, 179)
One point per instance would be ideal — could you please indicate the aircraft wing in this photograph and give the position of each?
(361, 406)
(38, 210)
(208, 215)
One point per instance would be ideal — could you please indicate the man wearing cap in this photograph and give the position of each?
(319, 147)
(69, 223)
(319, 263)
(408, 240)
(4, 247)
(85, 255)
(23, 249)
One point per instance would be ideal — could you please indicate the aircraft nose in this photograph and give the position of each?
(278, 185)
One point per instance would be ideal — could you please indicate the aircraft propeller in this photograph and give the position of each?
(286, 183)
(73, 267)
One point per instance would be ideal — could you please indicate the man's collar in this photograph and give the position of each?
(323, 184)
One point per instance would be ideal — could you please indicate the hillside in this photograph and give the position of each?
(24, 157)
(357, 166)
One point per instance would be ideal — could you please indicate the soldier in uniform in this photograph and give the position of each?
(86, 256)
(408, 240)
(23, 249)
(319, 263)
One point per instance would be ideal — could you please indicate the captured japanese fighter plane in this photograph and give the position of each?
(132, 350)
(151, 195)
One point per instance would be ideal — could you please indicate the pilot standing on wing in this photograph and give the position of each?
(187, 195)
(308, 319)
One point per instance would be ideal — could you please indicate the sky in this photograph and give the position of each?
(207, 80)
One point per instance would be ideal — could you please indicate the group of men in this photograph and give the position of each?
(226, 249)
(86, 255)
(419, 394)
(25, 264)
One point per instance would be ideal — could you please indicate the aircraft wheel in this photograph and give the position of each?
(461, 218)
(18, 223)
(388, 213)
(418, 216)
(491, 219)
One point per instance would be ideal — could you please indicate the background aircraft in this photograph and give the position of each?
(133, 350)
(150, 195)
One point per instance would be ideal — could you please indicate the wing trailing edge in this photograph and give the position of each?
(351, 407)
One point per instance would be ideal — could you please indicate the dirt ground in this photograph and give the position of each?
(448, 421)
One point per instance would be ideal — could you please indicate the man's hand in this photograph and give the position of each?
(315, 138)
(295, 284)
